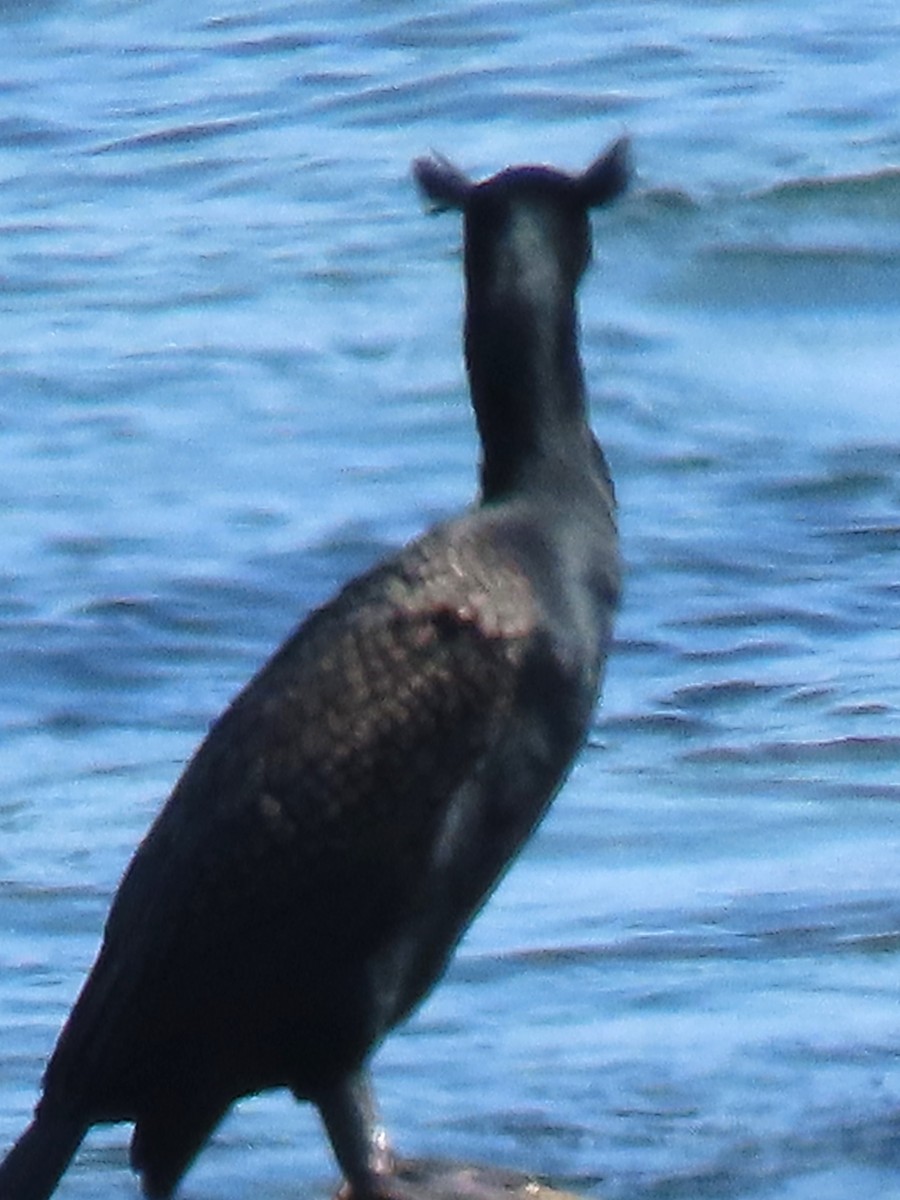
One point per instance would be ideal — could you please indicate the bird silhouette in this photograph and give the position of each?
(328, 844)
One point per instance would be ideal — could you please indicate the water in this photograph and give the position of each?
(231, 378)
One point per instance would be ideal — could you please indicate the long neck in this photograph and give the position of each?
(527, 386)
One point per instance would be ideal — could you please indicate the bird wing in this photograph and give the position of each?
(343, 754)
(313, 809)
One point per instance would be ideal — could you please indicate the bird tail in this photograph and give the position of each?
(34, 1166)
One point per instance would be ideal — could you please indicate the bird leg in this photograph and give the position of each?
(357, 1136)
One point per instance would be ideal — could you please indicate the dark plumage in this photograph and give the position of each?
(333, 836)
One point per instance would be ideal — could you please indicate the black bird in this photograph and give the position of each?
(325, 849)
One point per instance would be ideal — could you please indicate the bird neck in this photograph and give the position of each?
(527, 392)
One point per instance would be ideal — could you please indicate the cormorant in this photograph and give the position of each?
(332, 838)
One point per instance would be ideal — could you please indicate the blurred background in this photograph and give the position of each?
(230, 377)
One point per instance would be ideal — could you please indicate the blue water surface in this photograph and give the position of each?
(232, 377)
